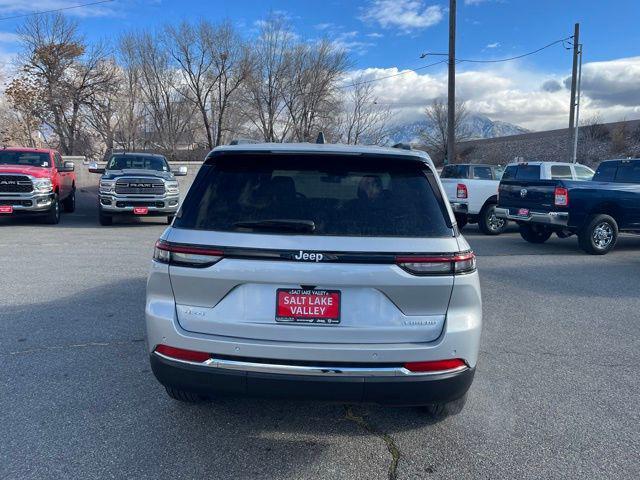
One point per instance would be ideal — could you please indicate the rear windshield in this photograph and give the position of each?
(455, 171)
(141, 162)
(522, 172)
(628, 172)
(24, 158)
(341, 195)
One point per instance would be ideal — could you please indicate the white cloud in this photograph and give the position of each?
(493, 45)
(406, 15)
(512, 93)
(375, 35)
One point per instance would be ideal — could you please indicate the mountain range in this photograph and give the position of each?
(477, 126)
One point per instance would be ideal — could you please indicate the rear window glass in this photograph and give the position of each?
(559, 172)
(482, 173)
(455, 171)
(341, 195)
(628, 172)
(522, 172)
(606, 172)
(583, 173)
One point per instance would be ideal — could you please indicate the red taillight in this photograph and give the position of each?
(438, 265)
(561, 195)
(435, 365)
(461, 191)
(186, 255)
(183, 354)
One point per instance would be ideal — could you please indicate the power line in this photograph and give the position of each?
(56, 10)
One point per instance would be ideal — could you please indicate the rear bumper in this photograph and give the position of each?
(213, 379)
(560, 219)
(460, 208)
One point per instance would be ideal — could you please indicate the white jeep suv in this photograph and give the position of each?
(316, 271)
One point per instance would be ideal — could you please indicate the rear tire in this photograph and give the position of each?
(488, 222)
(441, 411)
(461, 220)
(534, 234)
(599, 235)
(69, 203)
(53, 215)
(184, 396)
(105, 220)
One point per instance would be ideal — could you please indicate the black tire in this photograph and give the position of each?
(170, 219)
(69, 203)
(534, 233)
(599, 234)
(441, 411)
(53, 215)
(184, 396)
(461, 220)
(105, 220)
(488, 222)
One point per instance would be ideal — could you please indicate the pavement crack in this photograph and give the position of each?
(74, 345)
(391, 445)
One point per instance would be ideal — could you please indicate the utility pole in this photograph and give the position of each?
(574, 80)
(451, 96)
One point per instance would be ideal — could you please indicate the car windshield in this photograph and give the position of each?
(31, 159)
(138, 162)
(319, 194)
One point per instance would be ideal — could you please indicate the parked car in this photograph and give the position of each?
(596, 211)
(138, 184)
(472, 190)
(284, 276)
(36, 182)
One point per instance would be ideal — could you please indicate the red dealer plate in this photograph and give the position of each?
(523, 212)
(6, 209)
(140, 210)
(308, 306)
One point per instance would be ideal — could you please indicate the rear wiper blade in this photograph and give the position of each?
(278, 224)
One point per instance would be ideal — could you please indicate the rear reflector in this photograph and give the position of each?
(436, 365)
(561, 197)
(186, 255)
(461, 191)
(438, 265)
(183, 354)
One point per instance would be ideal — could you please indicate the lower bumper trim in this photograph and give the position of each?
(560, 219)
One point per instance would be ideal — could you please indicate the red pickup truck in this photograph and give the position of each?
(35, 181)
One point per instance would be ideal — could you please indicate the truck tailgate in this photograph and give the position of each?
(535, 195)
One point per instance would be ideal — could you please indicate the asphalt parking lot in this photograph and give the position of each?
(556, 392)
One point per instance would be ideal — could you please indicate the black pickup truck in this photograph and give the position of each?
(596, 211)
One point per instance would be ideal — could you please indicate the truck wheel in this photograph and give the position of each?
(534, 234)
(461, 220)
(69, 203)
(105, 220)
(184, 396)
(440, 411)
(53, 215)
(488, 222)
(170, 219)
(599, 235)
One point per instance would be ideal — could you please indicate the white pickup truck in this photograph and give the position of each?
(472, 189)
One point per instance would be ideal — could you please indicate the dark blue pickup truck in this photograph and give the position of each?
(596, 211)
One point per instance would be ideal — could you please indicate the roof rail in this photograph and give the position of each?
(242, 141)
(403, 146)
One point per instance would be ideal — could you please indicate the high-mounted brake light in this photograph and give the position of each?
(183, 354)
(438, 265)
(436, 365)
(561, 197)
(186, 255)
(461, 191)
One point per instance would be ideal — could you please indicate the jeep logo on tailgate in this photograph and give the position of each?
(303, 256)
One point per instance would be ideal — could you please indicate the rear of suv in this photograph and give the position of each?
(315, 271)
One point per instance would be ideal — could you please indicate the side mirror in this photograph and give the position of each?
(93, 168)
(181, 172)
(69, 167)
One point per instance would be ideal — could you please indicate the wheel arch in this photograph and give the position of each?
(607, 208)
(492, 200)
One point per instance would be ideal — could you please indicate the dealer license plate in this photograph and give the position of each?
(308, 306)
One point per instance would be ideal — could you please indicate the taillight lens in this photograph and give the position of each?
(185, 255)
(561, 197)
(438, 265)
(435, 365)
(461, 191)
(183, 354)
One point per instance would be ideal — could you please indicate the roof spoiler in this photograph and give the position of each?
(403, 146)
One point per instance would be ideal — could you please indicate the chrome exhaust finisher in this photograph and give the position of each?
(324, 370)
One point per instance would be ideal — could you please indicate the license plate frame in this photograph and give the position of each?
(312, 315)
(523, 212)
(6, 209)
(140, 210)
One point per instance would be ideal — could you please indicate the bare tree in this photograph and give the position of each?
(593, 130)
(364, 121)
(435, 135)
(25, 102)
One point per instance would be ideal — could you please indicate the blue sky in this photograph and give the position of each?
(385, 36)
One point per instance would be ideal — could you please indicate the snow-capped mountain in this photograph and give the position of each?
(478, 126)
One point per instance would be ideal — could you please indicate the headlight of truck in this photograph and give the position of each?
(42, 185)
(172, 187)
(107, 186)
